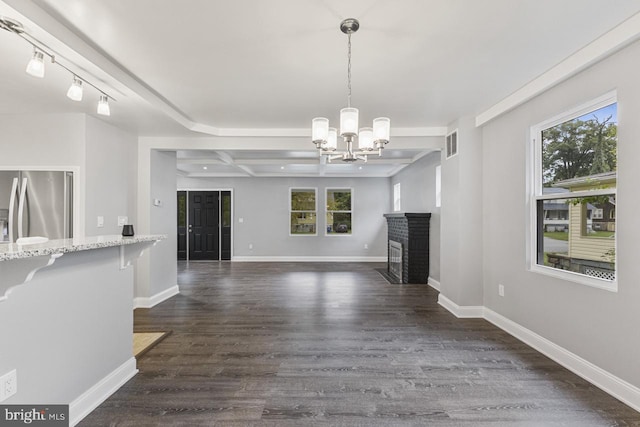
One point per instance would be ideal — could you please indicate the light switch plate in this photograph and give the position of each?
(100, 222)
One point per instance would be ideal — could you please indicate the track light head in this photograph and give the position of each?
(103, 106)
(75, 90)
(35, 67)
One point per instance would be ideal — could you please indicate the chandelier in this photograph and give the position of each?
(325, 138)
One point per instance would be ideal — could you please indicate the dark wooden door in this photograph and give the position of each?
(204, 215)
(182, 225)
(225, 228)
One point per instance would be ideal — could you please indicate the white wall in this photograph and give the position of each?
(418, 194)
(263, 204)
(597, 325)
(111, 161)
(461, 218)
(42, 140)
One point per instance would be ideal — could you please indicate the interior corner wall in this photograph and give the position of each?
(263, 205)
(111, 161)
(461, 218)
(597, 325)
(163, 220)
(418, 194)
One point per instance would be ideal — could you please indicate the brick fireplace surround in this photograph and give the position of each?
(412, 231)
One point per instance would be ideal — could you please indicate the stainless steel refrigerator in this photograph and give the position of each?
(36, 203)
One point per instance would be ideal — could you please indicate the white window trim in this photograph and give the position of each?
(534, 194)
(326, 190)
(315, 212)
(438, 186)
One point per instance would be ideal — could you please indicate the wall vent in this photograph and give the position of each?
(452, 144)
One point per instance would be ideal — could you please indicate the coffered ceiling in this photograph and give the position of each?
(255, 69)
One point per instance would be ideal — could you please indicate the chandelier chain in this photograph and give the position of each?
(349, 73)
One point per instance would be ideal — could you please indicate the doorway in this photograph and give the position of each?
(204, 225)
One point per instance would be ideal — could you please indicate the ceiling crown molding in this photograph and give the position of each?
(609, 43)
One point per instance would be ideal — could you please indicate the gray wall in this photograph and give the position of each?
(600, 326)
(418, 194)
(105, 156)
(163, 257)
(263, 204)
(111, 161)
(461, 222)
(68, 328)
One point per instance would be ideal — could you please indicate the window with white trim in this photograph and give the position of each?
(302, 212)
(396, 197)
(338, 211)
(573, 194)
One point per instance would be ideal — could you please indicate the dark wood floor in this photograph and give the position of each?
(298, 344)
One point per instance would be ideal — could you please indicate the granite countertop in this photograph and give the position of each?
(12, 251)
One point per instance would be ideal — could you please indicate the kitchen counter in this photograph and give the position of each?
(62, 246)
(66, 308)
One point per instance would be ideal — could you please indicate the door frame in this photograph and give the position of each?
(188, 189)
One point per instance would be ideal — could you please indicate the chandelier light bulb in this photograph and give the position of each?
(332, 141)
(319, 129)
(381, 129)
(103, 106)
(75, 90)
(349, 122)
(35, 67)
(365, 139)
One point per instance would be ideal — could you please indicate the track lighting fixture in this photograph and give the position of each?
(75, 90)
(35, 67)
(103, 105)
(36, 64)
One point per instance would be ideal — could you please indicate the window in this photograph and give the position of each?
(438, 186)
(452, 144)
(396, 197)
(574, 194)
(303, 216)
(339, 211)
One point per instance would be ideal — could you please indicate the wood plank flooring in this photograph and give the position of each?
(320, 344)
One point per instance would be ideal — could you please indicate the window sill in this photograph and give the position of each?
(611, 286)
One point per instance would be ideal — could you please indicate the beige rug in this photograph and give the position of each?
(144, 341)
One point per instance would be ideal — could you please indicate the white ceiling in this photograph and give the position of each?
(266, 68)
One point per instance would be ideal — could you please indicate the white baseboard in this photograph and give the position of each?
(92, 398)
(461, 311)
(148, 302)
(433, 283)
(617, 387)
(309, 259)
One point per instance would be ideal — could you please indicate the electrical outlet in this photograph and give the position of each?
(8, 385)
(250, 245)
(100, 222)
(366, 246)
(501, 290)
(122, 220)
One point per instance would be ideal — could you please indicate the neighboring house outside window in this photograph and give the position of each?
(338, 211)
(574, 194)
(302, 212)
